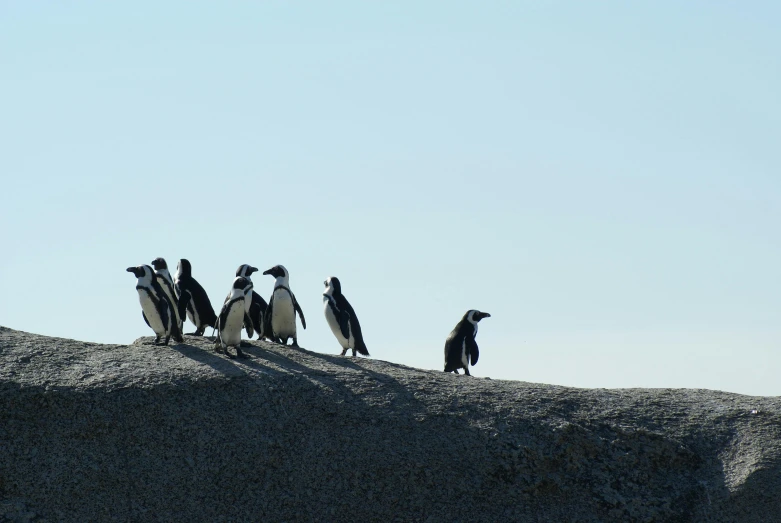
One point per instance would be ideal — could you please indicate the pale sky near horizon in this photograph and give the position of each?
(603, 178)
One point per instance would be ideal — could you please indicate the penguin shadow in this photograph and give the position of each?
(206, 355)
(256, 355)
(261, 360)
(403, 396)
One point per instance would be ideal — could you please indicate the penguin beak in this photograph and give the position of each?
(270, 271)
(484, 315)
(251, 270)
(134, 270)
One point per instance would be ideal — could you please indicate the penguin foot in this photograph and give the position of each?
(245, 344)
(240, 354)
(344, 352)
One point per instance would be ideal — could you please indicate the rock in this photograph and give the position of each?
(135, 432)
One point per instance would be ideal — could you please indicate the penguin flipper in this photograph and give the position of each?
(170, 310)
(344, 323)
(161, 303)
(248, 326)
(297, 307)
(146, 320)
(184, 302)
(223, 316)
(176, 334)
(474, 352)
(267, 330)
(257, 311)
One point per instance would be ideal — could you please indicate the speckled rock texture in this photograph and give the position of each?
(135, 432)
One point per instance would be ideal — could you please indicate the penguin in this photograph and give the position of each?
(193, 299)
(167, 283)
(460, 346)
(257, 305)
(156, 308)
(233, 316)
(342, 319)
(161, 269)
(280, 315)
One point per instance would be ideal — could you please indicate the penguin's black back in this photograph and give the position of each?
(165, 303)
(200, 300)
(355, 325)
(455, 343)
(257, 311)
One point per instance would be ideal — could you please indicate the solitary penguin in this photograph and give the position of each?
(282, 307)
(342, 319)
(233, 316)
(193, 299)
(257, 307)
(460, 346)
(157, 309)
(167, 283)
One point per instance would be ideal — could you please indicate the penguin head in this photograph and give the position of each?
(141, 272)
(240, 288)
(332, 286)
(474, 316)
(159, 264)
(242, 285)
(183, 268)
(277, 271)
(137, 271)
(245, 270)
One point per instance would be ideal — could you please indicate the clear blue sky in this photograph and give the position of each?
(603, 178)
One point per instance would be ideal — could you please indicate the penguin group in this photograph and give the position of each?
(166, 301)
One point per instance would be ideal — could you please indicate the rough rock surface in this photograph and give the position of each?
(93, 432)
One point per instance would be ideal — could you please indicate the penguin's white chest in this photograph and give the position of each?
(283, 315)
(231, 331)
(150, 311)
(464, 354)
(333, 322)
